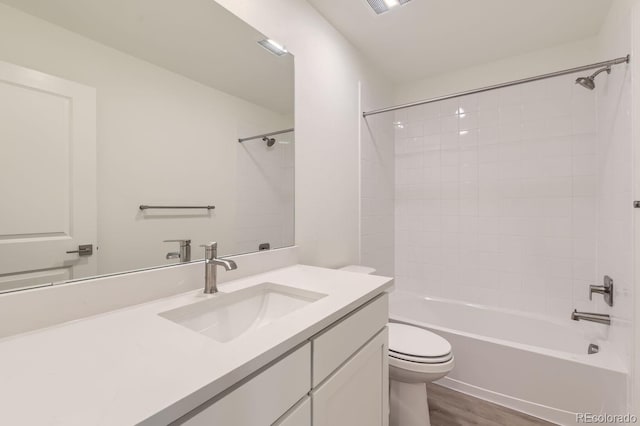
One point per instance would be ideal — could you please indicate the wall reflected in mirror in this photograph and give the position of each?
(107, 106)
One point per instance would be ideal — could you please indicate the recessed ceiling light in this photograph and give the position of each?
(382, 6)
(273, 46)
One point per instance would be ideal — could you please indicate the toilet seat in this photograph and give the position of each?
(417, 345)
(421, 360)
(409, 371)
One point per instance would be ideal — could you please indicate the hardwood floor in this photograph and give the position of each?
(451, 408)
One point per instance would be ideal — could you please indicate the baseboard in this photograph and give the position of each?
(544, 412)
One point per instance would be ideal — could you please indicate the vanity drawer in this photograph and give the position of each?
(264, 398)
(334, 346)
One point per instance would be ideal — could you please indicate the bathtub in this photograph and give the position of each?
(530, 363)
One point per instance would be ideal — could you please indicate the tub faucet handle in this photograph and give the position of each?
(606, 290)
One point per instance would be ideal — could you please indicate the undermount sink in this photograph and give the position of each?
(229, 315)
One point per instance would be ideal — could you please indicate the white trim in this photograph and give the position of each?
(360, 124)
(541, 411)
(634, 379)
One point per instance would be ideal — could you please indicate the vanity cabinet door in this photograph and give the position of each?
(300, 415)
(358, 392)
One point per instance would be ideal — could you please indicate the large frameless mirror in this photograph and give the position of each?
(130, 127)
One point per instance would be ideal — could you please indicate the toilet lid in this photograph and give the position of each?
(417, 344)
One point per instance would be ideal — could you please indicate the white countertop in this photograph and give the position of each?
(132, 366)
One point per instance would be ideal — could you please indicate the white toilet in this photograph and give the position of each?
(416, 357)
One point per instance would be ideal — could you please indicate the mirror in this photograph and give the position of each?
(120, 124)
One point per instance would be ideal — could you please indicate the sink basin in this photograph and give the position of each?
(229, 315)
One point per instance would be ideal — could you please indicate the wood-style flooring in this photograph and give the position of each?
(451, 408)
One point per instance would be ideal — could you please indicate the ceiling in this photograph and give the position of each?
(196, 38)
(428, 37)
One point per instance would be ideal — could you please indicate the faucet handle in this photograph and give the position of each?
(606, 290)
(210, 250)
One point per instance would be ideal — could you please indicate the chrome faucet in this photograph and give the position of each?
(185, 250)
(590, 316)
(211, 262)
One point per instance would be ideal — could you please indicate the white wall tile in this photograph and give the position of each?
(468, 121)
(431, 127)
(508, 201)
(614, 171)
(469, 103)
(489, 135)
(449, 124)
(448, 108)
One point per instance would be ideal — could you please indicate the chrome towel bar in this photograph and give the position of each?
(146, 207)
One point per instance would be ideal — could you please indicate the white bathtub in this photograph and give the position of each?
(529, 363)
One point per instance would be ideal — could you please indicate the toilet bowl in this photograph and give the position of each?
(416, 357)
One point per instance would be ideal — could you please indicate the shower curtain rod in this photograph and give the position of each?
(264, 135)
(616, 61)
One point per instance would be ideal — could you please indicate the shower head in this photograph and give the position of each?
(586, 82)
(589, 82)
(269, 141)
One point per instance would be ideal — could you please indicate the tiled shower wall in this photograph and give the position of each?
(496, 197)
(615, 180)
(377, 195)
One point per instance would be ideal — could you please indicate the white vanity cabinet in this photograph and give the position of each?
(300, 415)
(350, 370)
(356, 394)
(261, 400)
(339, 377)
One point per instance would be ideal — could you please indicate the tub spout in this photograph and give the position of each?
(590, 316)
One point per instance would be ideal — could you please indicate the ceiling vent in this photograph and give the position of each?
(382, 6)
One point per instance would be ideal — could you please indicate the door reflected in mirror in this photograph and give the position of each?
(130, 127)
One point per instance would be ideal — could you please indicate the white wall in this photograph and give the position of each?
(163, 139)
(328, 70)
(615, 178)
(508, 69)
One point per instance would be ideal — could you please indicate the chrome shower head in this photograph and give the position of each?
(586, 82)
(269, 141)
(589, 82)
